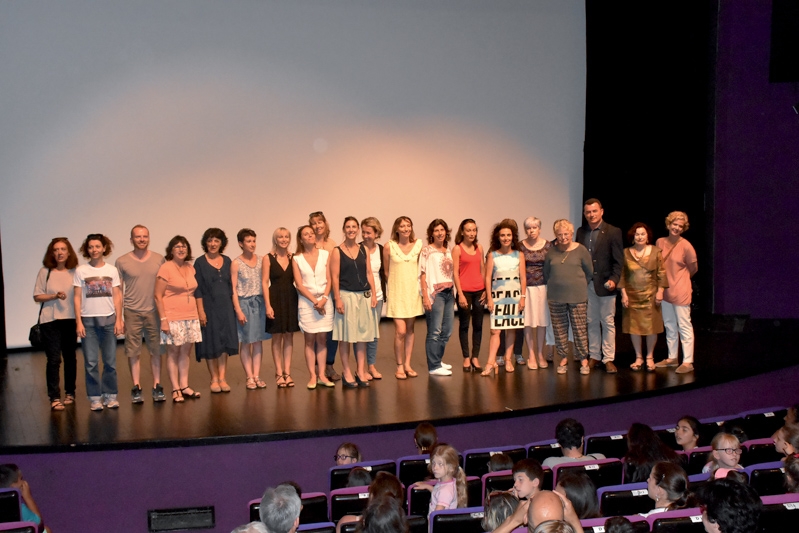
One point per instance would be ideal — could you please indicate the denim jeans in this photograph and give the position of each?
(439, 327)
(100, 339)
(371, 347)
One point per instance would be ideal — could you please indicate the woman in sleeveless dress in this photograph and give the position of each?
(353, 288)
(318, 222)
(401, 260)
(281, 307)
(468, 269)
(508, 293)
(371, 230)
(248, 301)
(536, 309)
(315, 309)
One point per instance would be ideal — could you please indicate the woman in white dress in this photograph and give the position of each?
(315, 312)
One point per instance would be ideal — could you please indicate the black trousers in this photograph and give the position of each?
(474, 310)
(60, 340)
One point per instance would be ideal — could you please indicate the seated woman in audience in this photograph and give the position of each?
(425, 438)
(384, 486)
(644, 450)
(686, 433)
(359, 477)
(450, 491)
(668, 487)
(347, 454)
(643, 280)
(581, 491)
(499, 505)
(499, 462)
(383, 515)
(786, 440)
(726, 450)
(792, 473)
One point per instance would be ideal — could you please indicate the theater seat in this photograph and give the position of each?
(543, 450)
(350, 500)
(603, 472)
(314, 508)
(465, 520)
(416, 524)
(623, 500)
(767, 478)
(475, 462)
(762, 423)
(780, 513)
(610, 444)
(320, 527)
(681, 521)
(9, 505)
(413, 468)
(666, 434)
(497, 481)
(759, 451)
(18, 527)
(339, 474)
(697, 460)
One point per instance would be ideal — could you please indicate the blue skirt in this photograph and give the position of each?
(255, 311)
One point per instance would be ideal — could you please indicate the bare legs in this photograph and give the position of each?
(177, 363)
(218, 368)
(493, 347)
(282, 347)
(251, 361)
(403, 347)
(316, 359)
(360, 360)
(650, 350)
(535, 338)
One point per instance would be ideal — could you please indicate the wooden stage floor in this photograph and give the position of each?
(28, 425)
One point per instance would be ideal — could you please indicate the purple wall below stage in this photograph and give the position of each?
(757, 170)
(112, 491)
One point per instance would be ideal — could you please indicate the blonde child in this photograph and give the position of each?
(724, 456)
(450, 491)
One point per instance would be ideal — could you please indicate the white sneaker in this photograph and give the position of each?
(96, 403)
(445, 365)
(441, 371)
(110, 401)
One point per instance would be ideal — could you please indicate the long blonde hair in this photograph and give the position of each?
(450, 457)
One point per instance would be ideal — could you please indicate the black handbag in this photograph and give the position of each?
(35, 337)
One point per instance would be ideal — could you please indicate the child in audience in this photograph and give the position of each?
(500, 461)
(346, 454)
(11, 478)
(792, 473)
(686, 433)
(450, 491)
(790, 416)
(498, 507)
(425, 438)
(527, 478)
(724, 456)
(786, 440)
(359, 477)
(619, 524)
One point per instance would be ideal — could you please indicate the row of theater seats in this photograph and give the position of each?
(780, 514)
(11, 513)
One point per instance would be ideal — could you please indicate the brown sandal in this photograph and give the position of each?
(259, 382)
(280, 381)
(56, 405)
(251, 384)
(288, 380)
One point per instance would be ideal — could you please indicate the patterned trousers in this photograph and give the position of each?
(562, 315)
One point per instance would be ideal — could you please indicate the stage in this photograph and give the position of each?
(28, 426)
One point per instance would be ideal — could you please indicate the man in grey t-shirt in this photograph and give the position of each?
(137, 273)
(571, 437)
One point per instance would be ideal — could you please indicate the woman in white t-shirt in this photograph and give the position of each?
(438, 299)
(98, 316)
(55, 293)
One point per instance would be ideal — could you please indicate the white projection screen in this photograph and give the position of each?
(187, 114)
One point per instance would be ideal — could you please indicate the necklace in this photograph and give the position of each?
(185, 279)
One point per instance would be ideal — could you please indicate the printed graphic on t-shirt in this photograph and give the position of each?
(99, 287)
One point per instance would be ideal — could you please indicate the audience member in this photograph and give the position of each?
(686, 433)
(668, 487)
(425, 438)
(280, 509)
(347, 454)
(450, 491)
(734, 428)
(11, 478)
(644, 449)
(790, 416)
(619, 524)
(383, 515)
(385, 485)
(554, 526)
(792, 473)
(499, 505)
(252, 527)
(571, 437)
(786, 439)
(581, 491)
(500, 461)
(359, 477)
(726, 450)
(527, 478)
(729, 507)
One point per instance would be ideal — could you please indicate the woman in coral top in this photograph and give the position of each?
(180, 321)
(468, 265)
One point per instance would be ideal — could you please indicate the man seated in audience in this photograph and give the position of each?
(280, 509)
(571, 437)
(252, 527)
(527, 478)
(11, 478)
(729, 507)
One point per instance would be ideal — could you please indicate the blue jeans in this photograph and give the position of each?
(371, 347)
(99, 339)
(439, 327)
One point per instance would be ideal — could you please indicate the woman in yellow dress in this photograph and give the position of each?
(642, 283)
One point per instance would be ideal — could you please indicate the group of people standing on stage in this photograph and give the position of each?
(334, 294)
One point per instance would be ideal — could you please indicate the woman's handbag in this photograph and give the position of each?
(35, 337)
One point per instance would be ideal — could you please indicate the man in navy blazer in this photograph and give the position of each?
(605, 245)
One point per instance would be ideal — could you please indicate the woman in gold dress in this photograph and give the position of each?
(642, 283)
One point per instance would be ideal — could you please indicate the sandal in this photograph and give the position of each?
(224, 386)
(532, 364)
(400, 373)
(411, 372)
(69, 399)
(259, 382)
(636, 366)
(375, 374)
(177, 396)
(280, 381)
(215, 388)
(56, 405)
(542, 363)
(650, 364)
(288, 380)
(251, 384)
(192, 395)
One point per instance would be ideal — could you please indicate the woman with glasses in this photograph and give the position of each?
(98, 317)
(724, 456)
(55, 295)
(180, 321)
